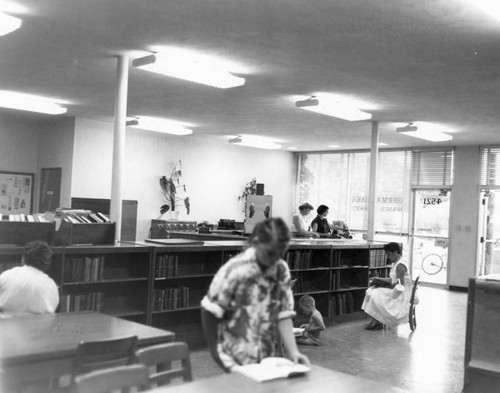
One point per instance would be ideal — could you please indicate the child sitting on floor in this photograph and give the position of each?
(313, 329)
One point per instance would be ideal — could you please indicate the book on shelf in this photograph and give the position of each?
(272, 368)
(103, 217)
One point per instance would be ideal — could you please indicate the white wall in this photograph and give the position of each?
(214, 172)
(18, 144)
(464, 216)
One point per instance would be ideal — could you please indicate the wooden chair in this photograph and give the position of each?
(120, 378)
(209, 324)
(93, 355)
(160, 358)
(412, 318)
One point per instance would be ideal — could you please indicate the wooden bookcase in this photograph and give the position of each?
(335, 274)
(162, 285)
(113, 280)
(74, 234)
(19, 233)
(181, 277)
(482, 346)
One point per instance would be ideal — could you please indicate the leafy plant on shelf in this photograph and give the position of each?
(250, 189)
(171, 187)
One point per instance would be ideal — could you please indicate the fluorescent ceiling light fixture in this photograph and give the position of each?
(31, 103)
(333, 107)
(159, 124)
(9, 23)
(491, 7)
(428, 134)
(187, 65)
(255, 141)
(333, 146)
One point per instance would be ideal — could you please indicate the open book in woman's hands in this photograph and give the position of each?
(271, 368)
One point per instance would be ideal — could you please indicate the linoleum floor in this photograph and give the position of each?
(429, 360)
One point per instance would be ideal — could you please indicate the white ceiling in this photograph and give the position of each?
(429, 60)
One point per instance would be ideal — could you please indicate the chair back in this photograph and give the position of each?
(166, 362)
(412, 316)
(93, 355)
(120, 378)
(210, 327)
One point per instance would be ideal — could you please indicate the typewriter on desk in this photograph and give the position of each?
(230, 226)
(160, 229)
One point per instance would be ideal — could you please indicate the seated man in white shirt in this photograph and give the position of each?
(27, 288)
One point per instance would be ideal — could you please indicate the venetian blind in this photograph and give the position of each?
(432, 168)
(490, 166)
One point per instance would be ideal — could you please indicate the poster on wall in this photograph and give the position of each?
(16, 192)
(258, 208)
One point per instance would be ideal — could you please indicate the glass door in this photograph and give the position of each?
(429, 235)
(489, 259)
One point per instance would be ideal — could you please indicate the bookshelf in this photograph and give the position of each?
(482, 348)
(335, 273)
(109, 279)
(162, 285)
(378, 263)
(182, 275)
(18, 233)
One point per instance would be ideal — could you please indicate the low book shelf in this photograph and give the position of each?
(70, 234)
(19, 233)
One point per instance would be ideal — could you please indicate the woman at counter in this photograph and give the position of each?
(320, 223)
(301, 222)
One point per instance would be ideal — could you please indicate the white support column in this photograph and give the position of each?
(372, 198)
(119, 143)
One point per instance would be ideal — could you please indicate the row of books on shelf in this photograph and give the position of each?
(21, 217)
(341, 304)
(92, 301)
(379, 273)
(84, 269)
(378, 258)
(174, 298)
(298, 259)
(90, 218)
(343, 258)
(168, 266)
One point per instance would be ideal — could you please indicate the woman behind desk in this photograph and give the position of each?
(320, 223)
(301, 223)
(27, 288)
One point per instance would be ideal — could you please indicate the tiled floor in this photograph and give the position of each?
(429, 360)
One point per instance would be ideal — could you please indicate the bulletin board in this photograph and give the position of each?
(16, 192)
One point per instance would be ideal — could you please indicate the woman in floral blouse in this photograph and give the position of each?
(252, 299)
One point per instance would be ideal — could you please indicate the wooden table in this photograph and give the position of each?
(43, 346)
(318, 380)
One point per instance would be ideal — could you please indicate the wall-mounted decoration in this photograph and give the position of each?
(258, 208)
(16, 192)
(174, 191)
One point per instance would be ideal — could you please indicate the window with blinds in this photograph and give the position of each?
(490, 166)
(341, 181)
(432, 168)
